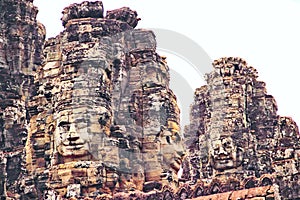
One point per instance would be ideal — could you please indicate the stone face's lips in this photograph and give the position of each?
(75, 150)
(176, 165)
(224, 161)
(178, 159)
(73, 143)
(74, 146)
(223, 158)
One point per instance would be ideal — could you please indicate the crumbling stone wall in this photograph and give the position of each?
(90, 115)
(102, 116)
(21, 36)
(21, 44)
(235, 134)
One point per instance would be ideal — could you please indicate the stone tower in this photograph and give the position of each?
(102, 116)
(89, 114)
(21, 46)
(236, 140)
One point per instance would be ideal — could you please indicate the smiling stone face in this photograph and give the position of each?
(67, 138)
(225, 154)
(171, 149)
(78, 133)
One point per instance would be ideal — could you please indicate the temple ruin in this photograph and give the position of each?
(89, 114)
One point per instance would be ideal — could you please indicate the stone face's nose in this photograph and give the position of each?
(181, 153)
(72, 134)
(180, 150)
(222, 151)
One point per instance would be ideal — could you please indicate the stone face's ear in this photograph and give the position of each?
(41, 30)
(239, 156)
(51, 129)
(240, 150)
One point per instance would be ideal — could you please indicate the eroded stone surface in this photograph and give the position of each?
(103, 118)
(21, 44)
(93, 117)
(235, 133)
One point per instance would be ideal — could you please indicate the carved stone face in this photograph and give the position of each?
(80, 131)
(10, 116)
(82, 114)
(65, 16)
(67, 139)
(109, 153)
(225, 154)
(171, 149)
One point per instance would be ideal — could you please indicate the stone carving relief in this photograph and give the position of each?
(90, 114)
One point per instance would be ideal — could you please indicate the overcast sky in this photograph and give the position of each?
(266, 33)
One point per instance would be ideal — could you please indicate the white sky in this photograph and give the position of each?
(266, 33)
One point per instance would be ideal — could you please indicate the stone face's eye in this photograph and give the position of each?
(176, 138)
(64, 125)
(168, 139)
(216, 149)
(226, 144)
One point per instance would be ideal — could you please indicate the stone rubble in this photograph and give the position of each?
(89, 114)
